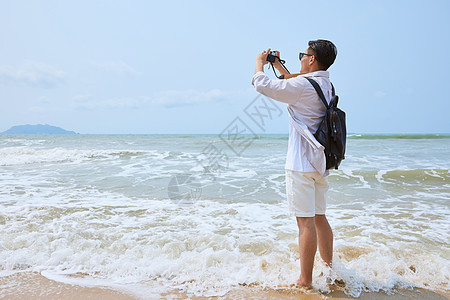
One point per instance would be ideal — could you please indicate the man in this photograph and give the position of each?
(306, 185)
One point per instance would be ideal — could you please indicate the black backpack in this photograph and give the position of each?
(332, 131)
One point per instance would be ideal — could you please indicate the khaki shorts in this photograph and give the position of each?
(306, 193)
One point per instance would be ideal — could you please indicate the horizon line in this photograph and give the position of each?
(267, 133)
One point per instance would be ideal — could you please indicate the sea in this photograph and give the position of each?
(205, 214)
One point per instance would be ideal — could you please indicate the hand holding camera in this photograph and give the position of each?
(273, 57)
(261, 58)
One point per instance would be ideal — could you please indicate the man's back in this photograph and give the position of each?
(306, 106)
(309, 108)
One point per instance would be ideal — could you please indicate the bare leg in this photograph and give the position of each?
(307, 243)
(324, 238)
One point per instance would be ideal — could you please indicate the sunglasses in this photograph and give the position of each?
(301, 54)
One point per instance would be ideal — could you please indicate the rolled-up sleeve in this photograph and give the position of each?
(285, 90)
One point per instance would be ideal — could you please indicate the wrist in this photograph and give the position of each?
(259, 67)
(259, 62)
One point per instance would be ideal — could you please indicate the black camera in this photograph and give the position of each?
(271, 56)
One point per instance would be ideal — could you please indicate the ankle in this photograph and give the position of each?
(304, 281)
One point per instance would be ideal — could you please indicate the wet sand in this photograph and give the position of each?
(27, 286)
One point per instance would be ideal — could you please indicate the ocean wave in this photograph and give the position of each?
(24, 155)
(207, 248)
(430, 176)
(397, 136)
(109, 216)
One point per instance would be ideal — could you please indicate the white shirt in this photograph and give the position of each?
(306, 106)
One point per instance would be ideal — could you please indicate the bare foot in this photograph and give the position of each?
(303, 283)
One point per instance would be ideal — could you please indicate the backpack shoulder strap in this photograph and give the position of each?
(319, 91)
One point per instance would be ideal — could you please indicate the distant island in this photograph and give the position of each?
(36, 129)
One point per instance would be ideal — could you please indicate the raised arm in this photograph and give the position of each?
(285, 90)
(261, 60)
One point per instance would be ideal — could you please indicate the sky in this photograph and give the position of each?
(185, 67)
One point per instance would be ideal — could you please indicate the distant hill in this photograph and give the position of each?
(36, 129)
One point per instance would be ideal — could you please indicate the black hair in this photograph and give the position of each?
(324, 51)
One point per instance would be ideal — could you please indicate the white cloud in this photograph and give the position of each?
(32, 73)
(171, 98)
(43, 100)
(122, 103)
(36, 109)
(41, 103)
(380, 94)
(116, 67)
(89, 103)
(177, 98)
(82, 98)
(409, 90)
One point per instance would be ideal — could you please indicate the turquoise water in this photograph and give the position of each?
(187, 212)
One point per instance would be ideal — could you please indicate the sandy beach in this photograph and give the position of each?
(35, 286)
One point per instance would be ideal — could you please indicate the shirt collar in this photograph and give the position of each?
(317, 74)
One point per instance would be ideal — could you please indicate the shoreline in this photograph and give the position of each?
(32, 285)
